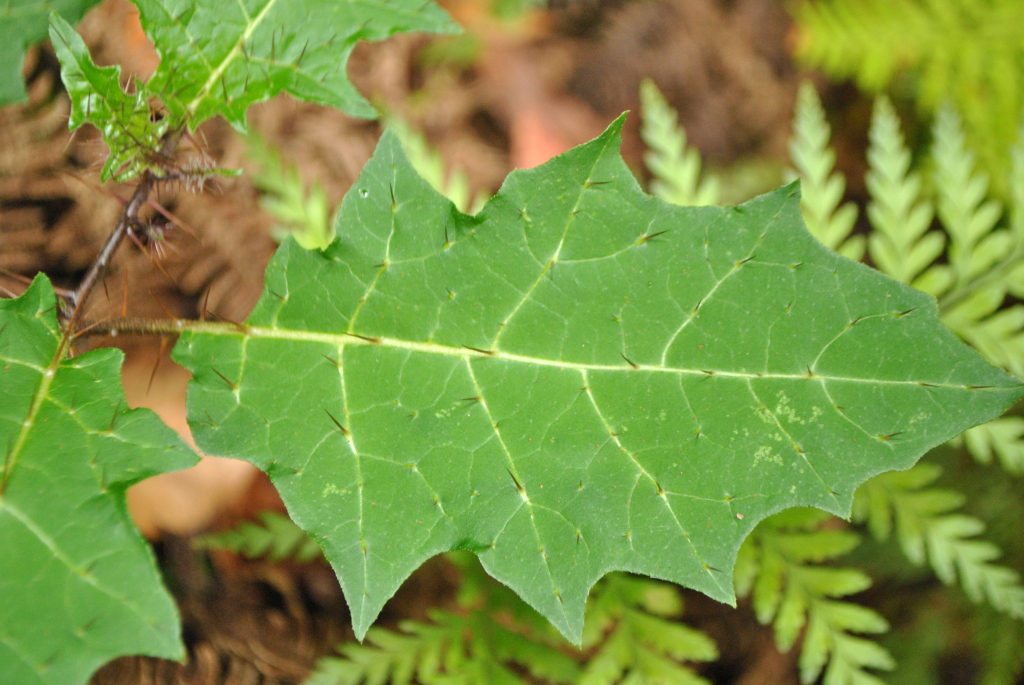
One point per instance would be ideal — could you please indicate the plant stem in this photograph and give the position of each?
(141, 326)
(129, 218)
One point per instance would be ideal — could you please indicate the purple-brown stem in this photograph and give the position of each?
(129, 218)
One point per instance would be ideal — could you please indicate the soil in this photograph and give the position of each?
(533, 89)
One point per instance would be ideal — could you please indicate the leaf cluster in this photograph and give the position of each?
(220, 59)
(579, 379)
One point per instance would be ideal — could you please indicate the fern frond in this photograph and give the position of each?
(958, 49)
(967, 215)
(821, 186)
(627, 626)
(494, 636)
(304, 212)
(982, 258)
(900, 245)
(928, 530)
(777, 565)
(275, 537)
(675, 166)
(1003, 438)
(453, 649)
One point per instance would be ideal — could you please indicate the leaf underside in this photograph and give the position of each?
(220, 57)
(23, 23)
(579, 379)
(78, 583)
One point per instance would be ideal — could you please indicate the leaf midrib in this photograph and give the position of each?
(229, 58)
(39, 396)
(353, 339)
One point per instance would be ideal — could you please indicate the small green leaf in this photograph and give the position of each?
(23, 23)
(97, 98)
(579, 379)
(79, 584)
(221, 57)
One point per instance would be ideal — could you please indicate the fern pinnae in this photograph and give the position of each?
(928, 529)
(1003, 439)
(900, 245)
(274, 537)
(966, 214)
(822, 187)
(674, 165)
(959, 49)
(633, 640)
(777, 565)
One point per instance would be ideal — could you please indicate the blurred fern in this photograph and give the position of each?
(928, 530)
(675, 166)
(970, 51)
(901, 244)
(972, 265)
(275, 537)
(428, 162)
(301, 211)
(780, 566)
(631, 638)
(821, 186)
(493, 637)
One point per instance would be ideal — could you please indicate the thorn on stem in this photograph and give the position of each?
(344, 431)
(224, 378)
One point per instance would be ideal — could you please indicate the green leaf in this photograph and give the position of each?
(579, 379)
(221, 57)
(23, 23)
(97, 98)
(79, 584)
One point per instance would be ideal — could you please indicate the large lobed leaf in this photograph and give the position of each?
(580, 379)
(78, 584)
(220, 57)
(23, 24)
